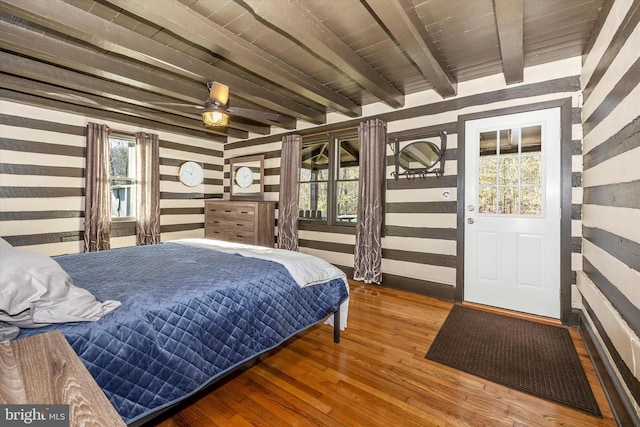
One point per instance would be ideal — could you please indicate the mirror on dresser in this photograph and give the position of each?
(246, 178)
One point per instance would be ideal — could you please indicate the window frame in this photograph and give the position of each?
(122, 136)
(498, 155)
(331, 223)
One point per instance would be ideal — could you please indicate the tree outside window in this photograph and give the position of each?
(510, 172)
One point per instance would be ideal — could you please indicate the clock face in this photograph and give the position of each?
(191, 174)
(244, 177)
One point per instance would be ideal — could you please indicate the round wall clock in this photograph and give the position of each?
(244, 177)
(191, 174)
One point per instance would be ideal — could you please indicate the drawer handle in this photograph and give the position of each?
(244, 212)
(240, 225)
(227, 210)
(216, 222)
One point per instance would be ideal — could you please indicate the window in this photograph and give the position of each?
(329, 176)
(510, 172)
(122, 157)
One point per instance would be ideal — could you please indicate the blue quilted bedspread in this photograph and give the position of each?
(188, 315)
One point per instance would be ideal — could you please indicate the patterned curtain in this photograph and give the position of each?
(290, 163)
(372, 135)
(97, 213)
(147, 189)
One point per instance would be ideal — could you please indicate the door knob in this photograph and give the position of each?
(470, 221)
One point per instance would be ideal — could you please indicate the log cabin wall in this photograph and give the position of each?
(42, 158)
(42, 184)
(609, 284)
(419, 247)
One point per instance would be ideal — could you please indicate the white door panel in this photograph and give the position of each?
(530, 260)
(488, 262)
(512, 220)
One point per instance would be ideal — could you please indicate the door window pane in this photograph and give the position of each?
(531, 200)
(531, 170)
(488, 169)
(508, 200)
(532, 139)
(487, 200)
(510, 171)
(488, 143)
(509, 140)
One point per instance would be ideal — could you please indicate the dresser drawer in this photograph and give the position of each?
(247, 238)
(231, 222)
(239, 225)
(227, 212)
(246, 212)
(217, 233)
(240, 221)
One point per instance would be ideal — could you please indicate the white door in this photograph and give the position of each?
(512, 212)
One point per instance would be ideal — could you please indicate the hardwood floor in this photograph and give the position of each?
(376, 376)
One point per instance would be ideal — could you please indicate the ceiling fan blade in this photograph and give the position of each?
(178, 104)
(253, 114)
(219, 93)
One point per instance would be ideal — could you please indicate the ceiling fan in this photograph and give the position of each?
(215, 112)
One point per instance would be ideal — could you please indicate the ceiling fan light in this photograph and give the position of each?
(215, 118)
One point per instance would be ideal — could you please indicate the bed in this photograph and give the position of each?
(190, 312)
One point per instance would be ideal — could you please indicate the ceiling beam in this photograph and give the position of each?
(169, 87)
(190, 25)
(113, 77)
(65, 78)
(404, 24)
(51, 74)
(68, 19)
(70, 96)
(510, 23)
(292, 18)
(157, 84)
(52, 104)
(87, 60)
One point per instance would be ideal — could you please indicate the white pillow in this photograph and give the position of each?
(8, 332)
(35, 291)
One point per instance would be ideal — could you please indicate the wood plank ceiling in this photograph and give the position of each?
(129, 60)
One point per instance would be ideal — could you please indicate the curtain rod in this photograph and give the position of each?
(329, 131)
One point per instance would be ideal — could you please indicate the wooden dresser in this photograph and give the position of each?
(240, 221)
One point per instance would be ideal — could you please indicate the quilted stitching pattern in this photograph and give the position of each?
(173, 332)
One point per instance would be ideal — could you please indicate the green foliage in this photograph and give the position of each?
(510, 184)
